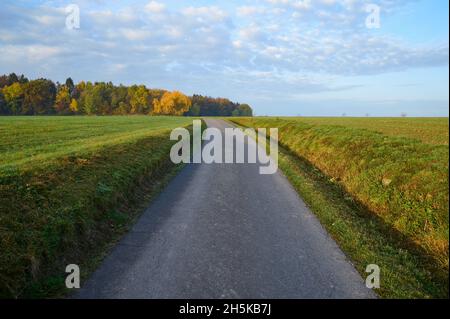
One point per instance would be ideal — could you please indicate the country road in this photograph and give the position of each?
(225, 231)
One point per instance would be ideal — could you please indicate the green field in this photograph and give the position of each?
(68, 187)
(27, 142)
(394, 173)
(428, 130)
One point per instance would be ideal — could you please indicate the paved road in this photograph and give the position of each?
(225, 231)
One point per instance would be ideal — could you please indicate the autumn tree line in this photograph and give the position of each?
(20, 96)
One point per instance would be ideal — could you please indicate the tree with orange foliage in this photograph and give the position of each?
(172, 103)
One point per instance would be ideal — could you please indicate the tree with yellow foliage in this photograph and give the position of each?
(138, 99)
(62, 103)
(172, 103)
(74, 106)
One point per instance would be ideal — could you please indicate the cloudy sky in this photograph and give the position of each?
(283, 57)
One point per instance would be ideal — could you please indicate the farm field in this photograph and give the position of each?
(428, 130)
(389, 178)
(63, 184)
(27, 142)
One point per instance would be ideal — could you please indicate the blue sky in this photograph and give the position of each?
(283, 57)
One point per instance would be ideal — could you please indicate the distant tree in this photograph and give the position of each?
(4, 110)
(7, 80)
(89, 105)
(41, 96)
(3, 81)
(70, 85)
(23, 79)
(74, 106)
(245, 110)
(220, 106)
(96, 98)
(13, 95)
(78, 89)
(172, 103)
(403, 114)
(63, 100)
(80, 95)
(194, 110)
(13, 78)
(123, 109)
(91, 99)
(38, 97)
(119, 100)
(106, 90)
(139, 99)
(156, 94)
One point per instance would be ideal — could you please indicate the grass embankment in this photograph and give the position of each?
(69, 186)
(383, 198)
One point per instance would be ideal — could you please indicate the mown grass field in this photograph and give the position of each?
(426, 129)
(380, 190)
(68, 187)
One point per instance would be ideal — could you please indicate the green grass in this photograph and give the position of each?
(428, 130)
(68, 187)
(398, 190)
(35, 141)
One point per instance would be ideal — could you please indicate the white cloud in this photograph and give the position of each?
(108, 18)
(213, 13)
(134, 34)
(155, 7)
(249, 10)
(252, 33)
(298, 4)
(48, 19)
(35, 52)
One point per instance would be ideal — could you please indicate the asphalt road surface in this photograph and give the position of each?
(226, 231)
